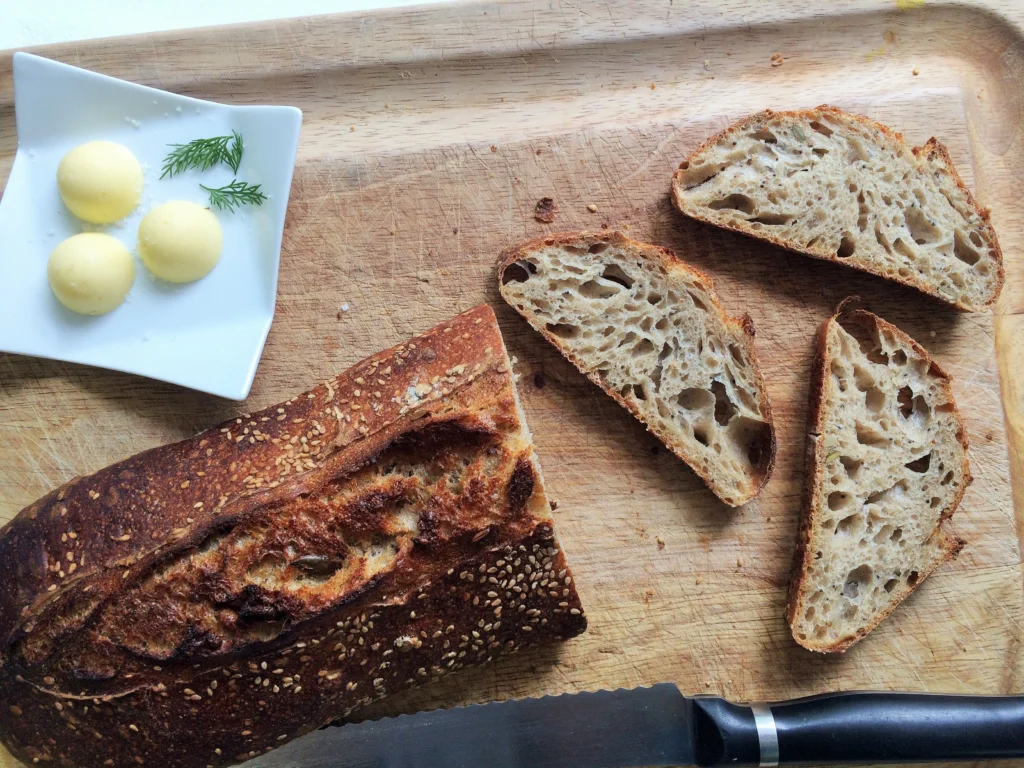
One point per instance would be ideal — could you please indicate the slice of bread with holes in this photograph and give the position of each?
(651, 332)
(887, 467)
(843, 188)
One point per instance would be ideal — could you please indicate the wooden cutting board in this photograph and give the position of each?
(428, 136)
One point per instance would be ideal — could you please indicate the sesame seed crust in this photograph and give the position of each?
(242, 592)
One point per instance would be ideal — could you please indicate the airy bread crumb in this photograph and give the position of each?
(888, 467)
(652, 333)
(843, 188)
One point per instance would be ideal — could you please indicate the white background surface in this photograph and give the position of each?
(25, 23)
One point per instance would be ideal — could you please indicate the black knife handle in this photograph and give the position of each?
(859, 728)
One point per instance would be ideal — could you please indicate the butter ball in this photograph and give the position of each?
(90, 273)
(100, 182)
(180, 241)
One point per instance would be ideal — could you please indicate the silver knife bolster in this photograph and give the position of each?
(767, 733)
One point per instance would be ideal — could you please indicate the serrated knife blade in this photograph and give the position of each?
(604, 729)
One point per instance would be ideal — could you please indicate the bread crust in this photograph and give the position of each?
(671, 262)
(814, 472)
(932, 148)
(151, 618)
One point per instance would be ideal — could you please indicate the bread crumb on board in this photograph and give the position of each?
(777, 60)
(661, 542)
(545, 210)
(592, 208)
(916, 71)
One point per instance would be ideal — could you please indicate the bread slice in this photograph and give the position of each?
(203, 602)
(887, 467)
(847, 189)
(651, 332)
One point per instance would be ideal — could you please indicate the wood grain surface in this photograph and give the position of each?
(428, 136)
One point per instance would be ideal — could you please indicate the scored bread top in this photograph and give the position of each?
(844, 188)
(652, 333)
(372, 510)
(887, 467)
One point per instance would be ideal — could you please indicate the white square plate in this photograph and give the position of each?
(206, 335)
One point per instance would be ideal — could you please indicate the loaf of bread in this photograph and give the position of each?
(201, 603)
(651, 332)
(840, 187)
(887, 467)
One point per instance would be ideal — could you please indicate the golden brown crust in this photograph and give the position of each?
(744, 325)
(932, 148)
(205, 601)
(814, 473)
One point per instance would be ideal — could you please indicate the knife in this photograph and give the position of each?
(658, 726)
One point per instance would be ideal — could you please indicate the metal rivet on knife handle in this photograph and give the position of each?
(767, 735)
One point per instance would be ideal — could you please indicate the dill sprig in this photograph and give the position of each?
(204, 154)
(236, 193)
